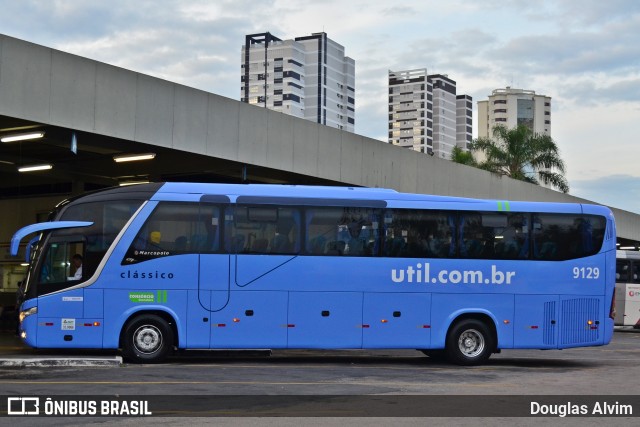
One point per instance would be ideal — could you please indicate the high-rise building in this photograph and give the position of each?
(444, 115)
(512, 107)
(410, 110)
(464, 121)
(423, 113)
(309, 77)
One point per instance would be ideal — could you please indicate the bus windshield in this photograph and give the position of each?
(69, 256)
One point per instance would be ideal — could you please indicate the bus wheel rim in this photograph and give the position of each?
(147, 339)
(471, 343)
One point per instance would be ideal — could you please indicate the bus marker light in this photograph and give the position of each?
(236, 320)
(290, 325)
(88, 324)
(534, 327)
(96, 323)
(384, 321)
(506, 322)
(221, 325)
(589, 322)
(426, 326)
(366, 326)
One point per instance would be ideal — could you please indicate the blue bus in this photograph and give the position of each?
(159, 267)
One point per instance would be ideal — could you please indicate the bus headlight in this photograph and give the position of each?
(28, 312)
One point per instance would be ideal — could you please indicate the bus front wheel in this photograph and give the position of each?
(147, 339)
(469, 342)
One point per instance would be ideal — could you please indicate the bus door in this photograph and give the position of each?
(214, 265)
(262, 241)
(627, 292)
(212, 292)
(61, 315)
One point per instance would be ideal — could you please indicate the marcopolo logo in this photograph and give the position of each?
(421, 273)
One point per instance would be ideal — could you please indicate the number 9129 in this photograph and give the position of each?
(586, 272)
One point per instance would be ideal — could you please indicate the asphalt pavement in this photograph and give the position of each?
(13, 352)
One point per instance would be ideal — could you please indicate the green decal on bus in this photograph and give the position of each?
(148, 296)
(141, 297)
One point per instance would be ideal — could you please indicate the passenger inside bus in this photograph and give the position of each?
(356, 244)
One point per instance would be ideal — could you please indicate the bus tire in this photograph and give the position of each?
(469, 342)
(148, 338)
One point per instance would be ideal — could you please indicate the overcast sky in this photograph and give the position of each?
(584, 54)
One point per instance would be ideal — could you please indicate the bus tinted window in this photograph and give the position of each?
(177, 228)
(263, 230)
(622, 271)
(627, 271)
(635, 272)
(493, 235)
(108, 219)
(344, 231)
(418, 234)
(59, 267)
(559, 237)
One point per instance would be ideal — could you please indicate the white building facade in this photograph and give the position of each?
(512, 107)
(410, 110)
(309, 77)
(423, 113)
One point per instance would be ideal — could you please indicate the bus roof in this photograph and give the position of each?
(176, 190)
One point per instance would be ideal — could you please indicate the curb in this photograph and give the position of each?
(60, 361)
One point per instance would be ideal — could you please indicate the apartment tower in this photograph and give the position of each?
(512, 107)
(308, 77)
(423, 113)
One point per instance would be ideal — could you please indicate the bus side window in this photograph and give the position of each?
(262, 230)
(622, 271)
(176, 228)
(205, 235)
(321, 232)
(567, 236)
(342, 231)
(635, 272)
(476, 234)
(546, 237)
(414, 233)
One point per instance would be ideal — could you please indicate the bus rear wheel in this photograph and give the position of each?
(469, 342)
(147, 339)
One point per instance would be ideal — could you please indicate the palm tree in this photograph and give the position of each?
(521, 154)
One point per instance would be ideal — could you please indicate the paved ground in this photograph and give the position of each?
(611, 371)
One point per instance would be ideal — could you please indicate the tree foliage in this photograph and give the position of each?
(521, 154)
(458, 155)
